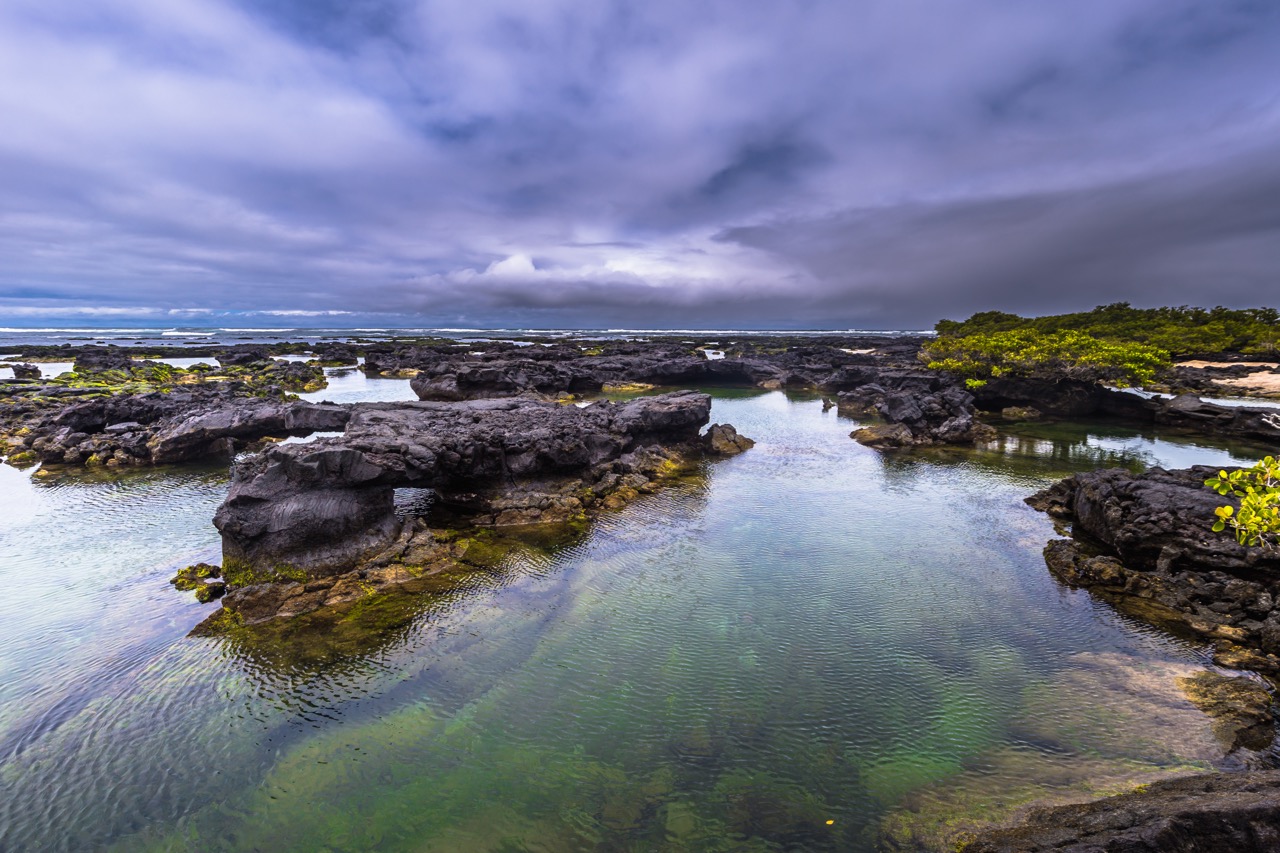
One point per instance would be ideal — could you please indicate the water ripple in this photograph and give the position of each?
(809, 632)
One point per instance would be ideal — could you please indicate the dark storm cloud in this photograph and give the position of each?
(550, 162)
(1206, 236)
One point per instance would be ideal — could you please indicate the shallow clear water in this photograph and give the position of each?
(810, 632)
(350, 385)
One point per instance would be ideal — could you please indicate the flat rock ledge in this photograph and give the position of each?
(1194, 814)
(164, 428)
(307, 526)
(1143, 541)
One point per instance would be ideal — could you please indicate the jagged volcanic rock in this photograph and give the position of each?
(1171, 568)
(1157, 520)
(921, 408)
(161, 428)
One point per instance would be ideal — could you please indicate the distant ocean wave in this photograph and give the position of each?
(12, 338)
(98, 332)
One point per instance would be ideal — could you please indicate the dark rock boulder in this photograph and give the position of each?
(921, 408)
(548, 372)
(163, 428)
(1195, 814)
(95, 359)
(1161, 561)
(243, 356)
(1189, 411)
(1068, 398)
(1155, 520)
(336, 355)
(884, 436)
(451, 380)
(198, 435)
(723, 440)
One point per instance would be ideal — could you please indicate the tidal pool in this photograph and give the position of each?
(806, 646)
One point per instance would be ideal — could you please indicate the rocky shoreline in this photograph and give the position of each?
(119, 406)
(1144, 542)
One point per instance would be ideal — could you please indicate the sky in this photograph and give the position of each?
(872, 164)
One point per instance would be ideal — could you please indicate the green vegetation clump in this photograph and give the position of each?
(193, 577)
(1180, 331)
(1257, 522)
(1030, 353)
(240, 574)
(148, 376)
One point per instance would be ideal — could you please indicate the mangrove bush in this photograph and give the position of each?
(1183, 330)
(1054, 355)
(1257, 521)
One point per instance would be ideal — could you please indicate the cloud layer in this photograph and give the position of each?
(544, 163)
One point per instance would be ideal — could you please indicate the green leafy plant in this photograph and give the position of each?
(1029, 353)
(1181, 331)
(1257, 521)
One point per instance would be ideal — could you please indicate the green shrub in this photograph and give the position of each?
(1257, 521)
(1181, 331)
(1028, 353)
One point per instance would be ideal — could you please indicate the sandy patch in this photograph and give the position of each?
(1262, 383)
(1203, 364)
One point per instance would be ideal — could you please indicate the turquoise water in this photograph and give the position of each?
(809, 632)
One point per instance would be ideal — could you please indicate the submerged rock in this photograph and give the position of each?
(1104, 724)
(1157, 712)
(1003, 788)
(1197, 814)
(1240, 708)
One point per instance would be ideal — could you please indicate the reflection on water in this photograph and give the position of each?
(1233, 402)
(770, 657)
(350, 385)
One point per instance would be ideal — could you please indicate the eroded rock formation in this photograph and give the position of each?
(324, 506)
